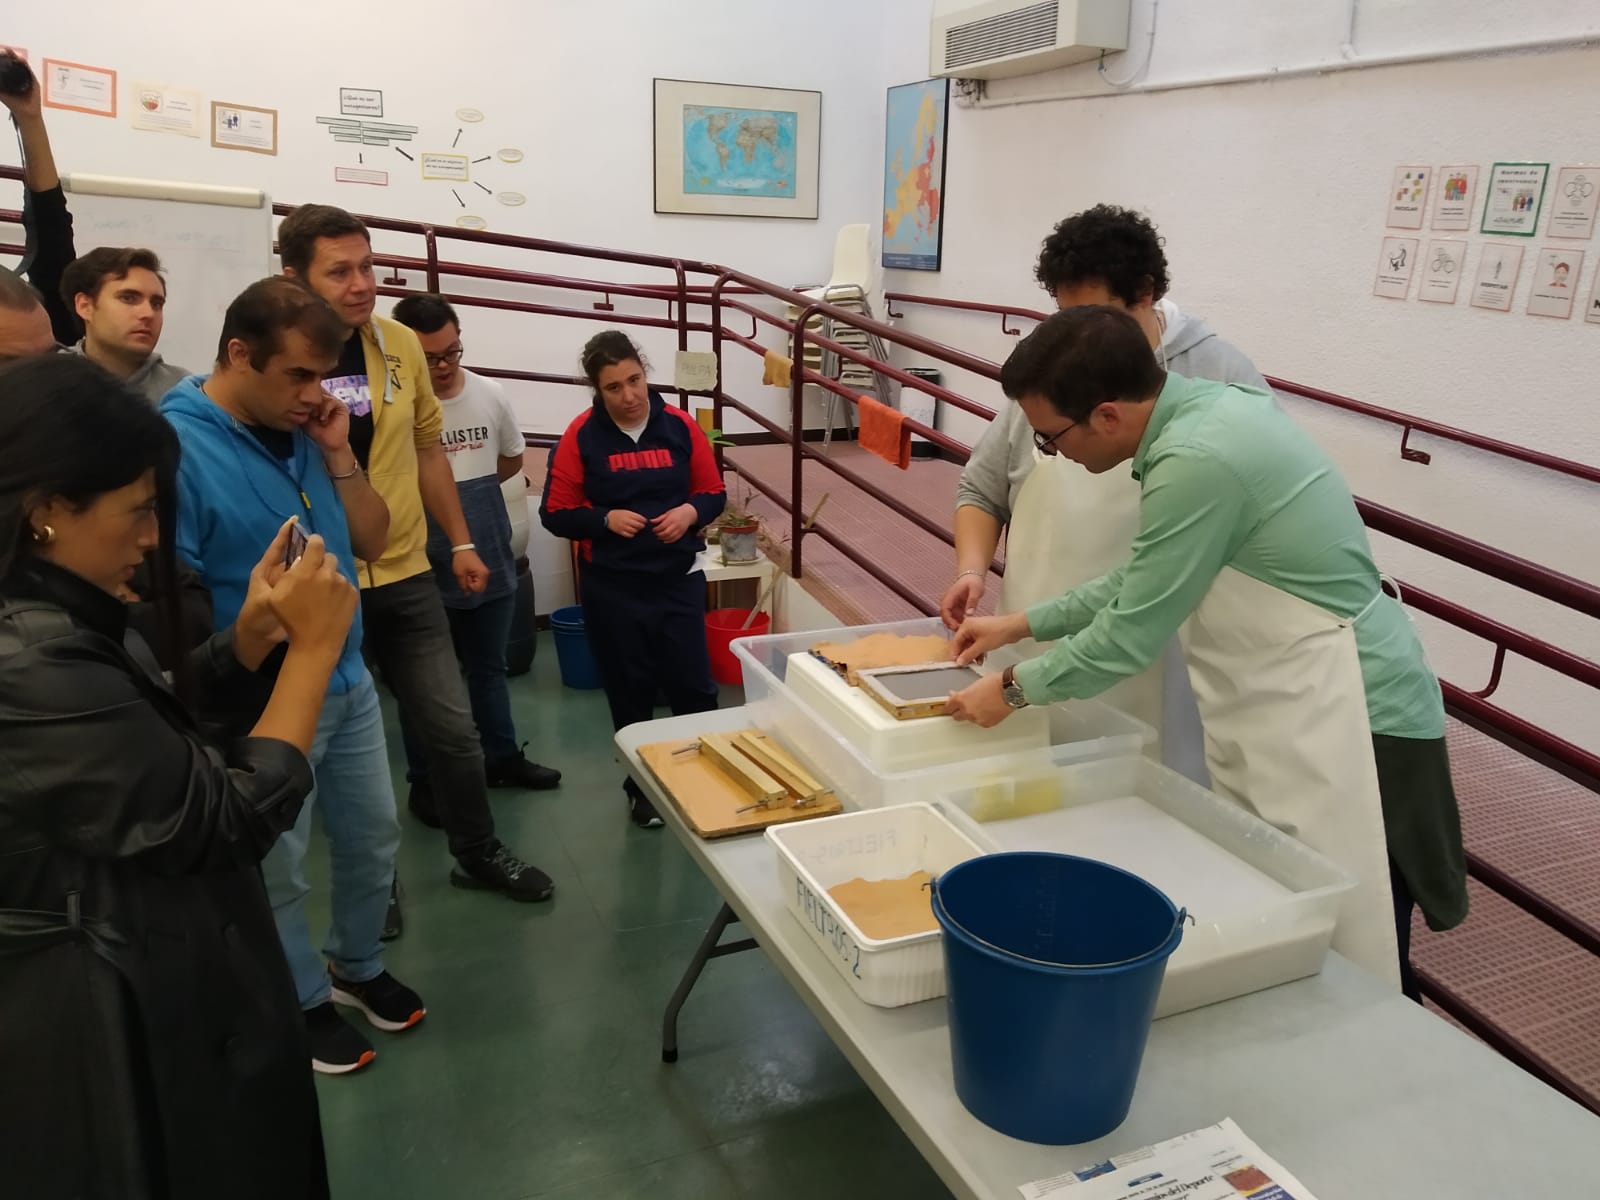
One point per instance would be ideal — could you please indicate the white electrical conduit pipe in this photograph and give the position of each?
(1323, 68)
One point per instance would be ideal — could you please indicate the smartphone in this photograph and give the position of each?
(296, 546)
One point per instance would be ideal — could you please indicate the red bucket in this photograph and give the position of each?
(722, 626)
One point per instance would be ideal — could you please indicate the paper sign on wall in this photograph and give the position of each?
(1496, 280)
(445, 166)
(695, 371)
(1395, 264)
(1408, 192)
(244, 127)
(1516, 194)
(360, 102)
(1442, 268)
(79, 88)
(1572, 208)
(1555, 280)
(1453, 197)
(361, 175)
(1591, 313)
(158, 108)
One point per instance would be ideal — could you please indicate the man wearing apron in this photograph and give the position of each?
(1321, 713)
(1064, 525)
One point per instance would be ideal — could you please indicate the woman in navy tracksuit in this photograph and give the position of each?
(632, 482)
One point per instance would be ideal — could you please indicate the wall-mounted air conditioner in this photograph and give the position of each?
(1022, 37)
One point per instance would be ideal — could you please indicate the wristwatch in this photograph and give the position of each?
(1011, 689)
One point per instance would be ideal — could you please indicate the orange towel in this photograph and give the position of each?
(884, 432)
(775, 369)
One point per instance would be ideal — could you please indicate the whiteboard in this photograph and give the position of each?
(213, 242)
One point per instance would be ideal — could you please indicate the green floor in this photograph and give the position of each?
(538, 1070)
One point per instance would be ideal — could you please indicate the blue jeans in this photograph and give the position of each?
(480, 636)
(355, 800)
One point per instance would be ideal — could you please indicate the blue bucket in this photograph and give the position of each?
(578, 668)
(1052, 968)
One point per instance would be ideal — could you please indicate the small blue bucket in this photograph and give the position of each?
(578, 668)
(1052, 967)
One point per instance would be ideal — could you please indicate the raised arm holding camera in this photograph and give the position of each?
(45, 218)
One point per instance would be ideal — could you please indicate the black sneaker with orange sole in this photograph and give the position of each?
(387, 1003)
(337, 1047)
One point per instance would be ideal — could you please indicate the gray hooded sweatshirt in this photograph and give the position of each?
(154, 378)
(1004, 456)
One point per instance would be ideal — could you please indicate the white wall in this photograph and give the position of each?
(1271, 198)
(566, 81)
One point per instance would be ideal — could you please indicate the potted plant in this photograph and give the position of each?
(713, 532)
(739, 531)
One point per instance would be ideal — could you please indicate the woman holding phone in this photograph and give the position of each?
(148, 1023)
(632, 482)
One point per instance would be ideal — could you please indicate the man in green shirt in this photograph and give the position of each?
(1312, 683)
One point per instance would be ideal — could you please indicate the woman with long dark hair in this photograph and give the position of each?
(150, 1039)
(632, 482)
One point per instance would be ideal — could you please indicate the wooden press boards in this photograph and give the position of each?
(709, 798)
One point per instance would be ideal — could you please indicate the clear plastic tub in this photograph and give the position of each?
(1264, 906)
(886, 843)
(1078, 729)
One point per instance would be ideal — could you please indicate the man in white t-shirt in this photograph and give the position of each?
(484, 446)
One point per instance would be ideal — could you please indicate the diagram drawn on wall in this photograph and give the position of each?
(454, 165)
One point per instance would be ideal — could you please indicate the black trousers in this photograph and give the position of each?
(648, 635)
(1422, 825)
(408, 635)
(1403, 904)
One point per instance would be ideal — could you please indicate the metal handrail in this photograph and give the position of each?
(1004, 311)
(1409, 424)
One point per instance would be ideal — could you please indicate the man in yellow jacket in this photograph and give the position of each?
(395, 421)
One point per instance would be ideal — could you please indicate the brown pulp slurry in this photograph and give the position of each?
(888, 908)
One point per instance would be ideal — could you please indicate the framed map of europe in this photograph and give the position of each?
(913, 175)
(723, 149)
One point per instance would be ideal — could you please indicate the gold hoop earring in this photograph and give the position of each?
(45, 536)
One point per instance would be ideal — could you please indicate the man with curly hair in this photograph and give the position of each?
(1065, 526)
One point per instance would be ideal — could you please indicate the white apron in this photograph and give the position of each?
(1070, 526)
(1279, 686)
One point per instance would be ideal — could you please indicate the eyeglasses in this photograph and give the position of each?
(1047, 445)
(449, 358)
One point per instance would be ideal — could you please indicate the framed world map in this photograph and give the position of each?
(724, 149)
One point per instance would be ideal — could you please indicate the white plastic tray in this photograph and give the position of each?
(1264, 905)
(1079, 729)
(885, 843)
